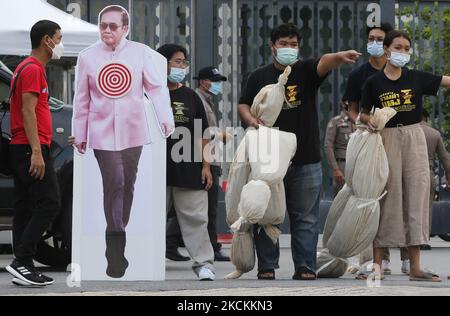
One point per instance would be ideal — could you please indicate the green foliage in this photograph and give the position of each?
(433, 43)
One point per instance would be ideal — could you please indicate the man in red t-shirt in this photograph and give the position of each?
(36, 192)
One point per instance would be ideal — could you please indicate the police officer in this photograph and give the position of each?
(336, 140)
(435, 146)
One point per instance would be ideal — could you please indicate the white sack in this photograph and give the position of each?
(367, 172)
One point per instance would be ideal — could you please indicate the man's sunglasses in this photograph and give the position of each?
(112, 26)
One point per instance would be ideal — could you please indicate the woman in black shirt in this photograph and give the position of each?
(404, 218)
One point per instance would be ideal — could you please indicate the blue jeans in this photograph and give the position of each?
(303, 188)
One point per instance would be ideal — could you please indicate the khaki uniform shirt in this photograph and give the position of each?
(436, 146)
(337, 137)
(210, 115)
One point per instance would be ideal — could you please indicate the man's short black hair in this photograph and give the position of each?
(425, 114)
(168, 50)
(40, 30)
(384, 26)
(285, 30)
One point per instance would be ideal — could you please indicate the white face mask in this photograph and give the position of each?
(177, 75)
(399, 60)
(375, 49)
(57, 51)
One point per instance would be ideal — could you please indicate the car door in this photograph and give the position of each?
(6, 183)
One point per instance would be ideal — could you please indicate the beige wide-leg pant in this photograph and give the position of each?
(404, 218)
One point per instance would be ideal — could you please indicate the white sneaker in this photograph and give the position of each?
(406, 267)
(386, 267)
(206, 274)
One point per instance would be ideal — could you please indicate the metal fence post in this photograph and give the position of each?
(204, 34)
(388, 11)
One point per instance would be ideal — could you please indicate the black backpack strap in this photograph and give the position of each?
(13, 88)
(11, 94)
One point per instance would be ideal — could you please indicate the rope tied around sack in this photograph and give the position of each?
(372, 202)
(331, 262)
(236, 227)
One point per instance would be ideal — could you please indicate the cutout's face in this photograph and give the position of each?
(112, 29)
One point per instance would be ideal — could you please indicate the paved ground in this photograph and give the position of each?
(181, 281)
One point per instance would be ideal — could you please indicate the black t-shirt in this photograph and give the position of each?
(302, 119)
(356, 80)
(186, 170)
(405, 94)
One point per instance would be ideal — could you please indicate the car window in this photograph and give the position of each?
(4, 82)
(6, 69)
(55, 104)
(4, 91)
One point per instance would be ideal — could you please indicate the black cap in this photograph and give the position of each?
(211, 73)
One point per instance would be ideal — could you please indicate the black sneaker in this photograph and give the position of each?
(220, 256)
(25, 273)
(21, 283)
(175, 255)
(48, 280)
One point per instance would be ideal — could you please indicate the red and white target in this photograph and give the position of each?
(114, 80)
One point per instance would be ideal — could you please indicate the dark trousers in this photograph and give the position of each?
(303, 188)
(173, 232)
(36, 202)
(119, 172)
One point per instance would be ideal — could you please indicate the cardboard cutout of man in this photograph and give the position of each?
(112, 76)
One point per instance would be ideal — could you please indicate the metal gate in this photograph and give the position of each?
(234, 35)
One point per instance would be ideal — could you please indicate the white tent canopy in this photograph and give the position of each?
(18, 16)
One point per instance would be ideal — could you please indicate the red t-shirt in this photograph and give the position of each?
(32, 79)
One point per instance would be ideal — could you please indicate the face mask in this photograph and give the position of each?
(399, 60)
(177, 75)
(216, 88)
(375, 49)
(287, 56)
(57, 51)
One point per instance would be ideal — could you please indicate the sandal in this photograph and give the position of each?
(374, 276)
(266, 275)
(362, 276)
(305, 274)
(364, 272)
(426, 277)
(353, 270)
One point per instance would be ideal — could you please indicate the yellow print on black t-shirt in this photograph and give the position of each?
(179, 112)
(292, 97)
(401, 102)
